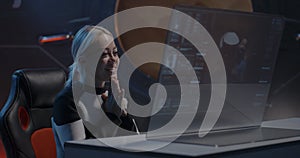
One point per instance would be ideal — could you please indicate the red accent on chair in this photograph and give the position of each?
(42, 149)
(23, 117)
(2, 150)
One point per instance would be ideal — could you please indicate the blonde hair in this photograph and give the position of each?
(82, 40)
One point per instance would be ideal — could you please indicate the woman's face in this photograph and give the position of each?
(108, 63)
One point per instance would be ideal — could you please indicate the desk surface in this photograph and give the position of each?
(136, 144)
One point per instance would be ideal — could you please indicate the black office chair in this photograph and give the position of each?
(25, 118)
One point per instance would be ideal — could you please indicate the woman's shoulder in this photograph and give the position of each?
(65, 93)
(64, 109)
(64, 98)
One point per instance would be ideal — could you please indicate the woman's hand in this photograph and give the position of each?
(120, 96)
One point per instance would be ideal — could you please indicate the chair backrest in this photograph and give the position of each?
(25, 123)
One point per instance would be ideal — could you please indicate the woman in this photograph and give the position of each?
(76, 119)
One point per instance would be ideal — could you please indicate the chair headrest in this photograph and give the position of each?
(40, 86)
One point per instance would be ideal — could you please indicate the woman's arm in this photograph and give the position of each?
(70, 131)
